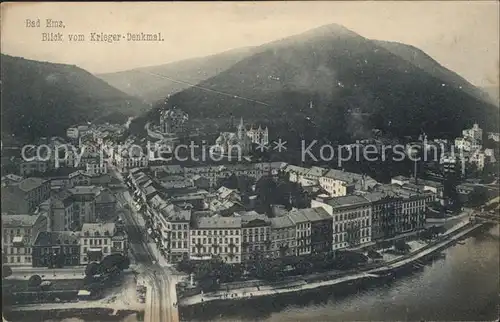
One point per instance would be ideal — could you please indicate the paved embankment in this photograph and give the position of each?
(251, 292)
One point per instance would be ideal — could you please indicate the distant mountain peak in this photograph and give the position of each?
(332, 29)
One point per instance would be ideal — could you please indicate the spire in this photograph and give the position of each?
(241, 122)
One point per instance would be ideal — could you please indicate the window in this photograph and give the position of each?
(105, 249)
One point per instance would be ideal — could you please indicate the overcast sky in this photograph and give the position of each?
(463, 36)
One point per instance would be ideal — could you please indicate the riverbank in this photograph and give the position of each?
(450, 236)
(433, 290)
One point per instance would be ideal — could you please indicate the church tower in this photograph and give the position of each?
(265, 139)
(242, 132)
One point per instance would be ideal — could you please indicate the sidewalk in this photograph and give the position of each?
(265, 290)
(140, 220)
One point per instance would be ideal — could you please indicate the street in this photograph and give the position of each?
(162, 294)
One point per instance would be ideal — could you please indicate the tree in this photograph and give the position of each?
(477, 197)
(450, 190)
(35, 281)
(124, 264)
(6, 271)
(401, 246)
(92, 269)
(230, 182)
(374, 254)
(186, 265)
(114, 263)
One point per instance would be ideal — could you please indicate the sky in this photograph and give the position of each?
(463, 36)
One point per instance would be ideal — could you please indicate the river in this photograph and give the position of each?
(464, 285)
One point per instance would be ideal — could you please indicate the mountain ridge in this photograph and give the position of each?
(43, 99)
(340, 71)
(146, 83)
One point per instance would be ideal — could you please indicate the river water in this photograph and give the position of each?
(464, 285)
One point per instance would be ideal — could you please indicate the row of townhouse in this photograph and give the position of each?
(242, 237)
(381, 214)
(26, 241)
(335, 182)
(180, 230)
(208, 176)
(23, 196)
(92, 243)
(332, 223)
(223, 201)
(71, 208)
(130, 157)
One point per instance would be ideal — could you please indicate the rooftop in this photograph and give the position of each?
(15, 221)
(352, 178)
(317, 171)
(282, 222)
(85, 190)
(176, 213)
(217, 222)
(312, 214)
(249, 216)
(346, 201)
(49, 238)
(12, 177)
(99, 229)
(105, 197)
(296, 169)
(31, 183)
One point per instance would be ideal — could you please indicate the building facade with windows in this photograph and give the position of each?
(216, 236)
(56, 249)
(283, 237)
(18, 235)
(352, 220)
(255, 234)
(25, 196)
(98, 240)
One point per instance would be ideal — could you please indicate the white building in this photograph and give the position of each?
(258, 135)
(352, 220)
(129, 158)
(494, 136)
(216, 236)
(475, 133)
(94, 168)
(340, 183)
(18, 235)
(478, 158)
(99, 240)
(72, 133)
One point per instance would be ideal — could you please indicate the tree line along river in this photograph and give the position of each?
(461, 285)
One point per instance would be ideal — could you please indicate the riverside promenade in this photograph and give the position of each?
(251, 292)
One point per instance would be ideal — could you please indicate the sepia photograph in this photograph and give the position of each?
(250, 161)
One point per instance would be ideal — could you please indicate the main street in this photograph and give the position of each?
(161, 294)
